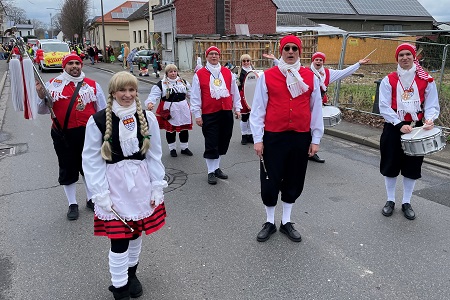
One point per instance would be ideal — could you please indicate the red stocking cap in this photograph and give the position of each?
(72, 56)
(212, 48)
(405, 46)
(291, 39)
(319, 55)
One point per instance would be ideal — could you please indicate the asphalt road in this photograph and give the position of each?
(208, 248)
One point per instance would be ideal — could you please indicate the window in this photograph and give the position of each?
(134, 36)
(393, 27)
(168, 41)
(164, 2)
(140, 36)
(145, 36)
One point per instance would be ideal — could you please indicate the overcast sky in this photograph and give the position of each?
(37, 9)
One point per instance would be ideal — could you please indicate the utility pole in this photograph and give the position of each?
(105, 55)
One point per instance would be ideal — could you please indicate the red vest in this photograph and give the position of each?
(421, 85)
(283, 112)
(77, 118)
(211, 105)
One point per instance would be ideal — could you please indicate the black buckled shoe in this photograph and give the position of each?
(187, 152)
(290, 231)
(266, 232)
(388, 209)
(134, 283)
(316, 158)
(220, 174)
(244, 140)
(90, 204)
(408, 212)
(72, 213)
(173, 153)
(212, 179)
(122, 293)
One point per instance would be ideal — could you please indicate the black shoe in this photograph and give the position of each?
(173, 153)
(388, 209)
(122, 293)
(212, 179)
(408, 211)
(187, 152)
(134, 283)
(90, 204)
(266, 232)
(220, 174)
(250, 138)
(72, 214)
(316, 158)
(290, 231)
(244, 140)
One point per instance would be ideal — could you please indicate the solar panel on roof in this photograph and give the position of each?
(315, 6)
(390, 7)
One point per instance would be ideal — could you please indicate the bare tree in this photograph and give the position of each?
(73, 17)
(15, 14)
(39, 28)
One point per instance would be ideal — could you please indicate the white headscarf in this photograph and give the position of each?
(294, 81)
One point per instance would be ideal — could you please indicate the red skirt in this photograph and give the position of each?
(164, 124)
(115, 229)
(245, 108)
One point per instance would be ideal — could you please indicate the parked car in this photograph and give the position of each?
(141, 55)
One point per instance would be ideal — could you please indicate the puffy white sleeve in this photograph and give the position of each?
(196, 101)
(94, 166)
(431, 103)
(154, 96)
(259, 106)
(317, 127)
(153, 157)
(42, 107)
(101, 98)
(235, 93)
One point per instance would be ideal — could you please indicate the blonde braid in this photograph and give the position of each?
(144, 127)
(106, 147)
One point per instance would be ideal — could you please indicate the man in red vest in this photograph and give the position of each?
(287, 125)
(408, 98)
(214, 95)
(70, 125)
(328, 76)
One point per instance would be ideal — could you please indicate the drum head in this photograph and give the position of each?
(330, 111)
(250, 85)
(422, 134)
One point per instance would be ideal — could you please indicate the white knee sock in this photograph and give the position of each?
(183, 146)
(243, 127)
(210, 164)
(408, 188)
(218, 162)
(172, 146)
(71, 193)
(390, 187)
(88, 192)
(134, 249)
(118, 267)
(270, 212)
(287, 208)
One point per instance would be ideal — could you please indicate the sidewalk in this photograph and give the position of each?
(361, 134)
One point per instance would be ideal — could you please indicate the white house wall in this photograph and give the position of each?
(164, 23)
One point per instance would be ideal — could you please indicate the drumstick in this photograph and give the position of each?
(264, 166)
(420, 128)
(121, 219)
(370, 53)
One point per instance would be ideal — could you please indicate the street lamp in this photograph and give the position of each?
(51, 20)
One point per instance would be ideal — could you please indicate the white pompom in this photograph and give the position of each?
(30, 85)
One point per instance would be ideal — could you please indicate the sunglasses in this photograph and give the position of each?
(246, 60)
(288, 48)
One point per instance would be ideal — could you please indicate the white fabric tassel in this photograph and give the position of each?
(30, 87)
(15, 75)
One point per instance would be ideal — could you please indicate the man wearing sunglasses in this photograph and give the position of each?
(328, 76)
(214, 95)
(75, 99)
(287, 125)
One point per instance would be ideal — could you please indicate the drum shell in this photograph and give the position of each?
(429, 141)
(331, 116)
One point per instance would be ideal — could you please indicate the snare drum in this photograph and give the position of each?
(250, 86)
(425, 142)
(331, 115)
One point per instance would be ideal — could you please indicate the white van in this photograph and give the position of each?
(51, 54)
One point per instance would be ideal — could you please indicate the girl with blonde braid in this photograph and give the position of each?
(123, 169)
